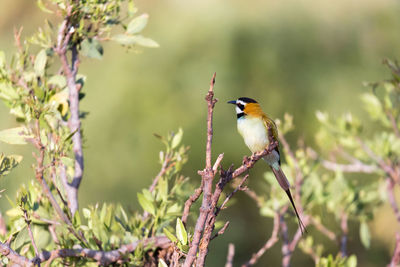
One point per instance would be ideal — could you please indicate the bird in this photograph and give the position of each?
(255, 127)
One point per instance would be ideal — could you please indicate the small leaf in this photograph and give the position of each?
(170, 235)
(8, 163)
(177, 138)
(14, 136)
(365, 235)
(92, 48)
(146, 42)
(43, 7)
(161, 263)
(352, 261)
(137, 24)
(40, 62)
(125, 39)
(181, 232)
(86, 213)
(146, 204)
(2, 59)
(58, 80)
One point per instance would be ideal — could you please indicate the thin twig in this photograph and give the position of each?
(392, 198)
(207, 175)
(270, 242)
(239, 187)
(163, 170)
(28, 223)
(221, 231)
(396, 254)
(354, 167)
(190, 202)
(345, 230)
(230, 255)
(325, 231)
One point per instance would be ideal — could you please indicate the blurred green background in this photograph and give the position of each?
(292, 56)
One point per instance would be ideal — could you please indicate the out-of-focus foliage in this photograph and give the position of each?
(292, 56)
(329, 186)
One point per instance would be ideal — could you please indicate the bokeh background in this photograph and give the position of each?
(292, 56)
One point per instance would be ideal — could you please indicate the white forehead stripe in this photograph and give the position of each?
(241, 102)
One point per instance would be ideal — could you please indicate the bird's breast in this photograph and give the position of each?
(253, 132)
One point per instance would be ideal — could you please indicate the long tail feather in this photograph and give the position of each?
(284, 183)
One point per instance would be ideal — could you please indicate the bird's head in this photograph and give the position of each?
(246, 106)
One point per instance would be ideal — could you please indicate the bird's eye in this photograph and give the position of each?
(240, 106)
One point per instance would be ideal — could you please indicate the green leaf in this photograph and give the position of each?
(146, 42)
(146, 204)
(181, 232)
(2, 59)
(137, 24)
(170, 235)
(92, 48)
(43, 7)
(161, 263)
(352, 261)
(14, 136)
(372, 105)
(177, 138)
(7, 163)
(86, 213)
(58, 80)
(125, 39)
(40, 63)
(365, 235)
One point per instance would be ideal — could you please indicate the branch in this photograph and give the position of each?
(13, 256)
(193, 198)
(345, 230)
(320, 227)
(270, 242)
(392, 198)
(101, 257)
(207, 175)
(355, 166)
(396, 254)
(384, 166)
(74, 123)
(231, 254)
(28, 223)
(221, 231)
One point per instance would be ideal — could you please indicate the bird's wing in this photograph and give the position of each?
(271, 126)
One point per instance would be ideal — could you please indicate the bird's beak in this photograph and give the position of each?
(232, 102)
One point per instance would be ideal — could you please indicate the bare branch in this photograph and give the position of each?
(270, 242)
(345, 230)
(74, 123)
(207, 175)
(355, 166)
(101, 257)
(239, 187)
(190, 202)
(163, 170)
(13, 256)
(221, 231)
(28, 223)
(218, 163)
(320, 227)
(384, 166)
(392, 198)
(396, 254)
(231, 254)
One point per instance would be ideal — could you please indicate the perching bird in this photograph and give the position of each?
(253, 125)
